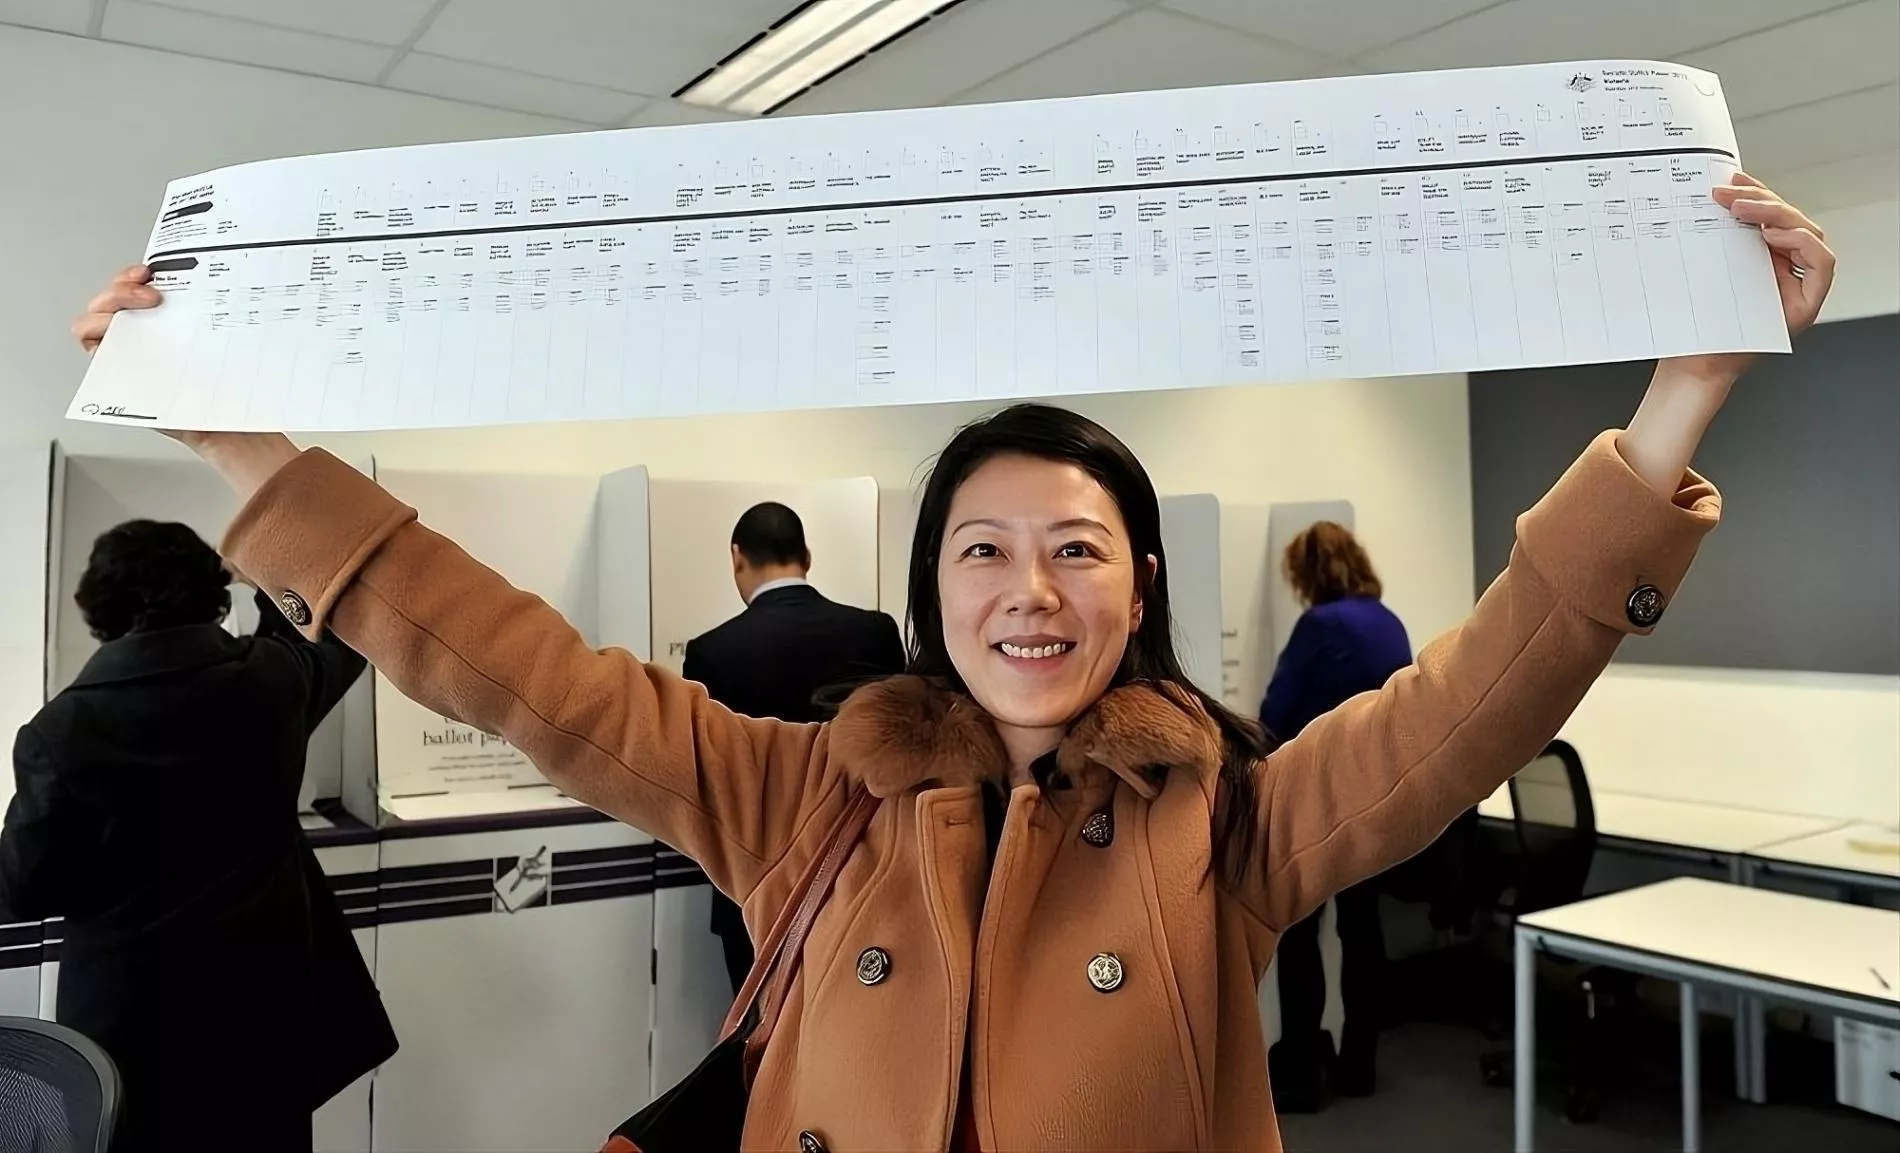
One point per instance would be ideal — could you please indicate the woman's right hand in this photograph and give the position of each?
(245, 459)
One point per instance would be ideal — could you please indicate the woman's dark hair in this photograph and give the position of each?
(144, 576)
(1056, 434)
(1326, 563)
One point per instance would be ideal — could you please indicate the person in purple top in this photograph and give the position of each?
(1345, 643)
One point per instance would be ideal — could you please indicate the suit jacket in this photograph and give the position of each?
(789, 644)
(157, 813)
(772, 660)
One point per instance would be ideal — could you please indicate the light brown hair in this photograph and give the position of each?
(1326, 563)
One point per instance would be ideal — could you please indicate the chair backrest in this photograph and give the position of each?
(1556, 829)
(59, 1092)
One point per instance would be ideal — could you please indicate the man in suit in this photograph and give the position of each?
(157, 813)
(777, 657)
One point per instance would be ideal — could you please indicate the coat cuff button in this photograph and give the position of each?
(294, 609)
(1645, 606)
(874, 964)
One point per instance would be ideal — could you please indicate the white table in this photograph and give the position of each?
(1856, 858)
(1852, 856)
(1823, 955)
(1704, 834)
(1716, 834)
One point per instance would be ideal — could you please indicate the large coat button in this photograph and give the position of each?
(294, 608)
(1099, 829)
(808, 1142)
(1105, 972)
(1645, 606)
(874, 964)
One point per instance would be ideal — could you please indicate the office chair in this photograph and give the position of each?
(1554, 826)
(59, 1092)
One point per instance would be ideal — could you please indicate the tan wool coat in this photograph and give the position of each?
(1000, 961)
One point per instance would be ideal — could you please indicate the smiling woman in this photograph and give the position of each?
(1052, 930)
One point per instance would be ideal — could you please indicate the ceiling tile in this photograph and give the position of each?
(1529, 31)
(1149, 49)
(1824, 131)
(1319, 26)
(131, 22)
(1841, 51)
(968, 45)
(481, 84)
(1841, 184)
(52, 15)
(663, 112)
(646, 46)
(378, 21)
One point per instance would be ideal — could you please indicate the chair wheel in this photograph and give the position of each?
(1582, 1106)
(1494, 1070)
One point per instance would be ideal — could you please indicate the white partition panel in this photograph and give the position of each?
(520, 1030)
(692, 555)
(623, 532)
(896, 525)
(1190, 531)
(539, 532)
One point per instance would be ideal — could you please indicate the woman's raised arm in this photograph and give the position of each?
(1599, 557)
(337, 551)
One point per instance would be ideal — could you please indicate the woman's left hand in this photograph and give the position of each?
(1687, 391)
(1804, 271)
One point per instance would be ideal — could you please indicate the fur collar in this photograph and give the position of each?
(907, 732)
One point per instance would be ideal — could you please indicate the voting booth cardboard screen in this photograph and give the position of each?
(539, 532)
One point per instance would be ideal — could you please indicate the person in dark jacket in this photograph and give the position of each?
(1346, 642)
(156, 812)
(777, 657)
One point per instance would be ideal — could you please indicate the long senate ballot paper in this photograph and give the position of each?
(1354, 227)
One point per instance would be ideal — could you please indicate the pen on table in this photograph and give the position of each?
(1881, 979)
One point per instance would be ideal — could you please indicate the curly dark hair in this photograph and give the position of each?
(146, 575)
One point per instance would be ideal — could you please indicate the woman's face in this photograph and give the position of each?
(1037, 582)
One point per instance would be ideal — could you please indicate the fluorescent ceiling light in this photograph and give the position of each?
(815, 41)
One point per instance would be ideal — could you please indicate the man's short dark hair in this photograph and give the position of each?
(145, 575)
(771, 534)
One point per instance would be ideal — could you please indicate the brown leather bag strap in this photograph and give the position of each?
(786, 940)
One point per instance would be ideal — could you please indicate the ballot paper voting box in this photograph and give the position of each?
(25, 480)
(516, 964)
(515, 925)
(90, 494)
(1867, 1067)
(693, 592)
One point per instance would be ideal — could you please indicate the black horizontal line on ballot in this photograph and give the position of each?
(927, 201)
